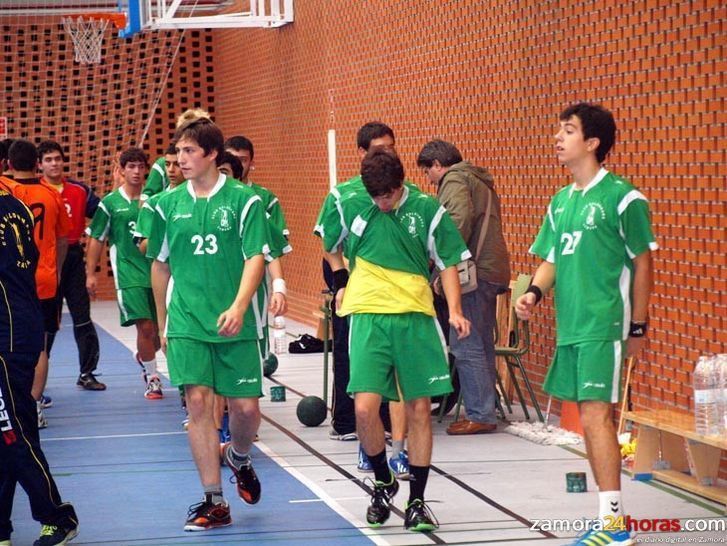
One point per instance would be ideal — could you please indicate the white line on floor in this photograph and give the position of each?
(141, 435)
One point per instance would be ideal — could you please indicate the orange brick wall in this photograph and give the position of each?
(98, 110)
(492, 77)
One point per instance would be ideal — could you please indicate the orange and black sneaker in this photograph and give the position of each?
(248, 486)
(207, 515)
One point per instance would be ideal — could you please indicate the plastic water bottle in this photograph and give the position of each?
(707, 396)
(280, 345)
(722, 359)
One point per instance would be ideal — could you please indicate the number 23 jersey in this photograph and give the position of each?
(592, 236)
(205, 241)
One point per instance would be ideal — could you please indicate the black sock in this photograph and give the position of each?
(381, 467)
(417, 482)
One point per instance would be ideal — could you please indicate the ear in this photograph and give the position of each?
(436, 164)
(592, 144)
(361, 152)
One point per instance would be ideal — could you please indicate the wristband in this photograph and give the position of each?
(340, 279)
(533, 289)
(637, 329)
(279, 286)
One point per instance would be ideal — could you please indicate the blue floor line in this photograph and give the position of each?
(135, 490)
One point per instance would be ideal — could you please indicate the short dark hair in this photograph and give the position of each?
(205, 133)
(171, 149)
(240, 143)
(133, 154)
(438, 150)
(48, 146)
(597, 122)
(371, 131)
(23, 156)
(234, 162)
(381, 171)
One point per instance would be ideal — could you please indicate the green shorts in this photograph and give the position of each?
(135, 303)
(232, 369)
(586, 371)
(264, 343)
(408, 348)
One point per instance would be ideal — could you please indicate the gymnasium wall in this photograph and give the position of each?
(492, 77)
(95, 111)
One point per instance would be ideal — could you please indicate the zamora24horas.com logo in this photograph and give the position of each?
(635, 525)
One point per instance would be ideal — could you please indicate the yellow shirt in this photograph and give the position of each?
(375, 289)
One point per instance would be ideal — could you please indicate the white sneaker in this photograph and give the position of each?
(42, 421)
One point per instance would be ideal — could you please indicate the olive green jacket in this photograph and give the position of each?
(464, 191)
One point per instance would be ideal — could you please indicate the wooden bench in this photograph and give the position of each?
(668, 449)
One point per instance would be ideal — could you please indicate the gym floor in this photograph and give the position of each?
(124, 463)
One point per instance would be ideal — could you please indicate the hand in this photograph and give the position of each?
(278, 304)
(461, 324)
(635, 345)
(339, 299)
(524, 306)
(230, 322)
(163, 343)
(91, 286)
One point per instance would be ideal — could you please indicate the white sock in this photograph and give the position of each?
(609, 505)
(150, 366)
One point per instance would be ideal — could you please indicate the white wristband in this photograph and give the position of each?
(279, 286)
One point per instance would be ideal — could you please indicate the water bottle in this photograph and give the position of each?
(707, 395)
(280, 345)
(723, 382)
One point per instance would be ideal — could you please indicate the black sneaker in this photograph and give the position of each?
(380, 508)
(89, 382)
(419, 517)
(248, 486)
(52, 535)
(207, 515)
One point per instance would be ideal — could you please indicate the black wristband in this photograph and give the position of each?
(637, 329)
(533, 289)
(340, 279)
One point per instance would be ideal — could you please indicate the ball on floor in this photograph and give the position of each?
(270, 364)
(311, 411)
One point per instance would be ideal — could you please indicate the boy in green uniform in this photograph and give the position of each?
(391, 233)
(115, 219)
(595, 242)
(212, 227)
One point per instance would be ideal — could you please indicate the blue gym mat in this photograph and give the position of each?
(124, 463)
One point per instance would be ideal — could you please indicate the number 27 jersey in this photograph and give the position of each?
(205, 241)
(591, 236)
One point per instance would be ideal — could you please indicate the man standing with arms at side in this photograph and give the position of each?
(211, 237)
(21, 340)
(80, 203)
(595, 243)
(468, 194)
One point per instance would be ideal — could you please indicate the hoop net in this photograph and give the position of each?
(87, 34)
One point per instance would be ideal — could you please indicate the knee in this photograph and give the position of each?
(419, 410)
(197, 402)
(146, 328)
(244, 408)
(366, 413)
(595, 417)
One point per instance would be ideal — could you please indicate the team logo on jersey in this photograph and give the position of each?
(10, 227)
(413, 223)
(592, 212)
(6, 426)
(225, 217)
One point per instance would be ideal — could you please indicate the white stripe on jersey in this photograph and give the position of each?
(245, 210)
(160, 212)
(629, 198)
(344, 229)
(105, 232)
(114, 265)
(358, 226)
(163, 254)
(275, 200)
(431, 244)
(624, 286)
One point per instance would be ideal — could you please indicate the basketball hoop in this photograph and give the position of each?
(87, 32)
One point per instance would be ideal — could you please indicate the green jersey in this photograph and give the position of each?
(145, 221)
(330, 224)
(273, 210)
(115, 219)
(591, 236)
(405, 239)
(205, 241)
(157, 180)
